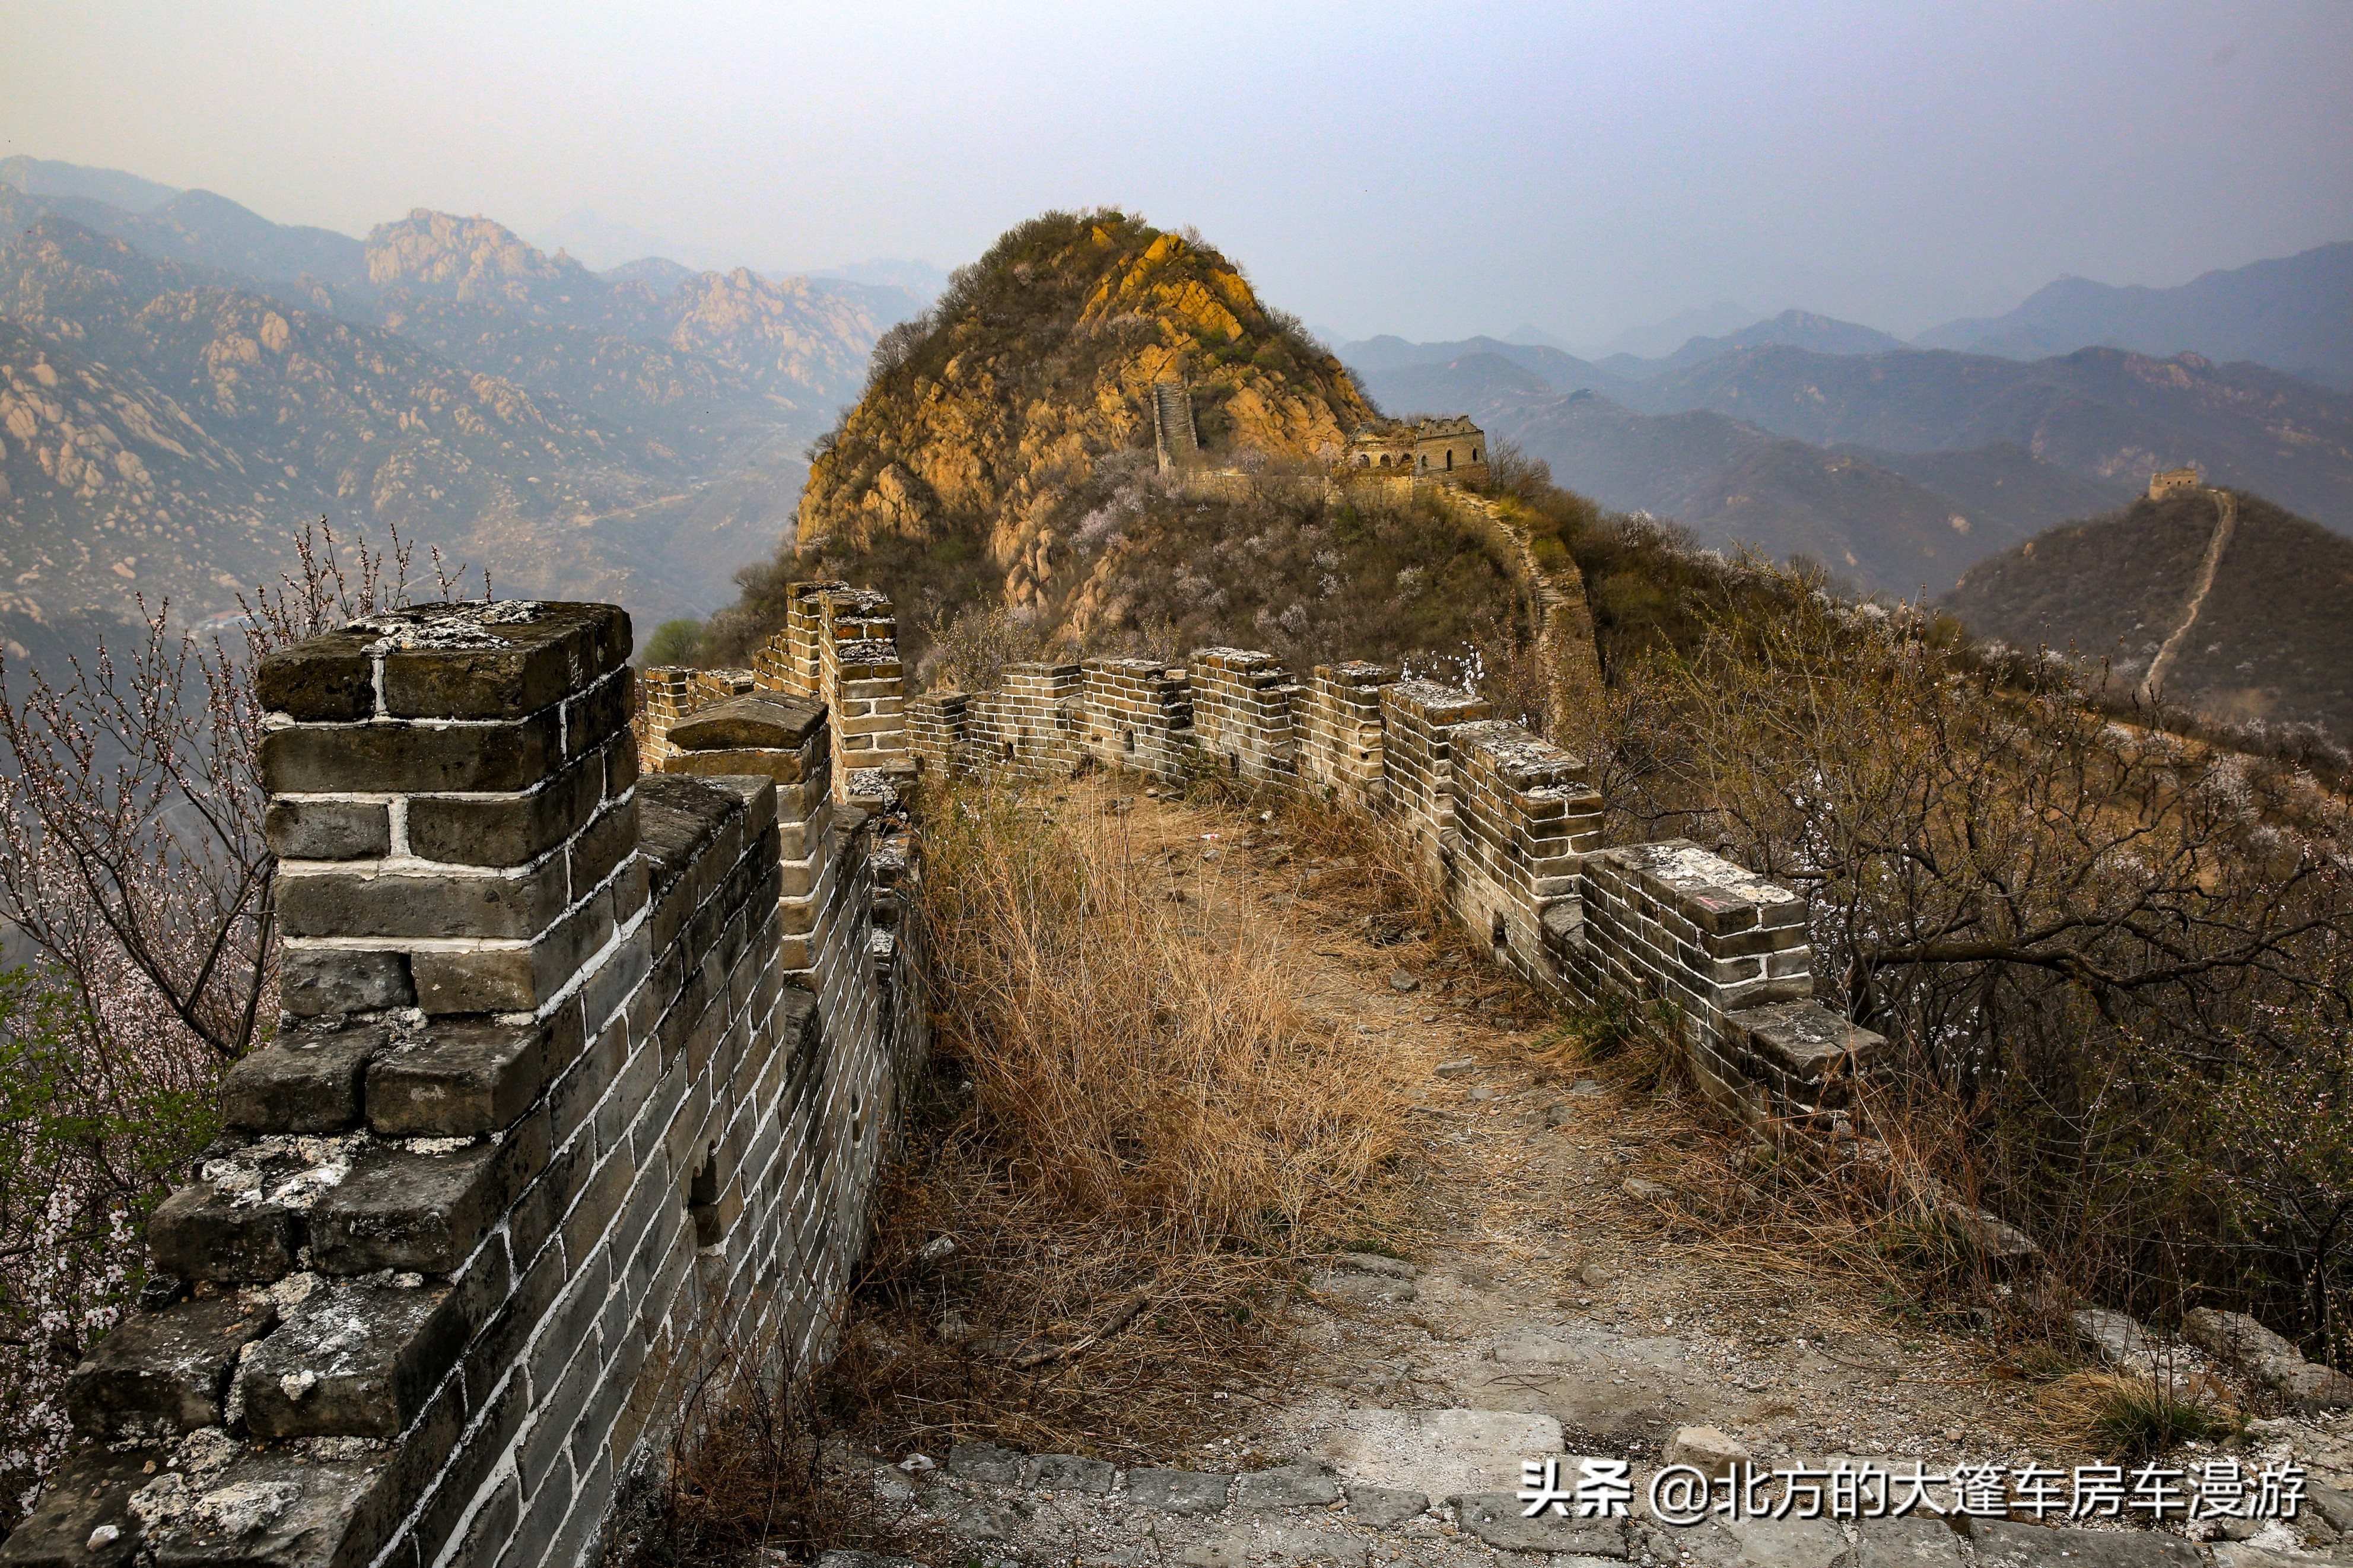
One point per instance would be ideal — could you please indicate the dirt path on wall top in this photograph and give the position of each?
(1557, 1296)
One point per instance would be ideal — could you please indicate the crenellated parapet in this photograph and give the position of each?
(1508, 825)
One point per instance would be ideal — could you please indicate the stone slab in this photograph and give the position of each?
(310, 1080)
(1307, 1483)
(1908, 1542)
(1071, 1473)
(1386, 1505)
(1499, 1519)
(1187, 1492)
(159, 1374)
(354, 1361)
(1443, 1452)
(986, 1462)
(2000, 1544)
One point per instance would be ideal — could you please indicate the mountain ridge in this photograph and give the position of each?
(2271, 642)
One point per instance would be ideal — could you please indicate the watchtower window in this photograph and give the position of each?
(1450, 460)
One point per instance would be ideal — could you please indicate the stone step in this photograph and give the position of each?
(160, 1374)
(404, 1210)
(353, 1360)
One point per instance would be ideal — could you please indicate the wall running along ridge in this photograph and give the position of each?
(577, 1070)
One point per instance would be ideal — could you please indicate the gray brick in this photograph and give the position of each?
(509, 831)
(198, 1233)
(403, 904)
(332, 759)
(455, 1080)
(327, 829)
(313, 981)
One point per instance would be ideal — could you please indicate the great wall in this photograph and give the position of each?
(591, 1037)
(600, 992)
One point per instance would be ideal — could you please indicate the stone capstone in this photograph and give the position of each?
(275, 1510)
(309, 1080)
(426, 1212)
(766, 721)
(200, 1233)
(456, 1079)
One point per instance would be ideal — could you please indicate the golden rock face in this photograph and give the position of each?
(1041, 366)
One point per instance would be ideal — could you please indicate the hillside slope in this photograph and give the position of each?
(1038, 363)
(2271, 640)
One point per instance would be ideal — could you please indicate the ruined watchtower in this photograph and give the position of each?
(1445, 447)
(2174, 481)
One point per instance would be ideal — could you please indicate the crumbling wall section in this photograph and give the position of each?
(1138, 715)
(1242, 713)
(1341, 742)
(1506, 826)
(1032, 721)
(554, 1095)
(1525, 816)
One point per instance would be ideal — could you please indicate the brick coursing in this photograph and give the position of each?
(574, 1066)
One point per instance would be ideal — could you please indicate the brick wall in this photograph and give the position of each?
(1138, 715)
(1340, 733)
(573, 1064)
(1241, 713)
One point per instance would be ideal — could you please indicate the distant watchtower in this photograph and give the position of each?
(1448, 448)
(2174, 482)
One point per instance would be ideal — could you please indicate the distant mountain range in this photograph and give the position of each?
(2293, 314)
(1896, 468)
(184, 384)
(2271, 639)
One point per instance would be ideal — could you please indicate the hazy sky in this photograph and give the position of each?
(1429, 170)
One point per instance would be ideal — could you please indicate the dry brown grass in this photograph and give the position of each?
(2118, 1416)
(1133, 1125)
(744, 1468)
(1135, 1055)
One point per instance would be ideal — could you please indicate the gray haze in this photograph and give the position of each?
(1434, 172)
